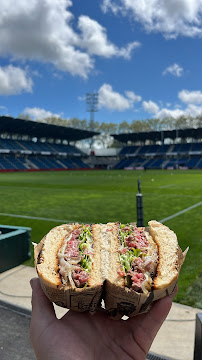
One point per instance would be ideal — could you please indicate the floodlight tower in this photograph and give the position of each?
(92, 103)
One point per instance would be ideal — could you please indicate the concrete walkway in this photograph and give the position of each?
(175, 339)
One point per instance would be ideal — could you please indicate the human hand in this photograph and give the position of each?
(79, 336)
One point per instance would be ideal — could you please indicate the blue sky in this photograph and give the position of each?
(143, 58)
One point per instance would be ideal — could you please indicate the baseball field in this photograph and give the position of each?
(42, 200)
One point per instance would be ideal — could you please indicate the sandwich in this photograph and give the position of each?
(126, 266)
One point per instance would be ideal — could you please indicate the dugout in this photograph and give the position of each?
(14, 246)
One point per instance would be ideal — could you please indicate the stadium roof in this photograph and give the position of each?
(159, 135)
(42, 130)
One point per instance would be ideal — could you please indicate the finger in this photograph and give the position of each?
(147, 325)
(40, 303)
(42, 309)
(157, 315)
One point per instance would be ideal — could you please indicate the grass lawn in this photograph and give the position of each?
(102, 196)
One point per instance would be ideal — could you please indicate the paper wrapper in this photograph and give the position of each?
(123, 301)
(80, 300)
(118, 301)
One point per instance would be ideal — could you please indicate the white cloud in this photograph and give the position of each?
(193, 110)
(94, 39)
(39, 114)
(150, 107)
(110, 5)
(174, 69)
(127, 50)
(190, 97)
(47, 31)
(190, 110)
(164, 112)
(14, 80)
(132, 97)
(2, 107)
(193, 99)
(172, 18)
(113, 100)
(42, 30)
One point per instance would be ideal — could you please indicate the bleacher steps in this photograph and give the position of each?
(165, 163)
(10, 162)
(31, 165)
(21, 145)
(61, 164)
(195, 167)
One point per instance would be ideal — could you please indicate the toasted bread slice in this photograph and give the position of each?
(45, 254)
(168, 264)
(107, 244)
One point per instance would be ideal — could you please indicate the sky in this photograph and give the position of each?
(142, 58)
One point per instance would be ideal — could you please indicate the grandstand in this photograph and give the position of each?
(170, 149)
(30, 146)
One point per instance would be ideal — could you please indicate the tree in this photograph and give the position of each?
(140, 126)
(154, 124)
(182, 122)
(54, 120)
(198, 121)
(24, 117)
(108, 128)
(75, 123)
(124, 127)
(168, 123)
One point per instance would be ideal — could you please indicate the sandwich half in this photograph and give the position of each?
(65, 262)
(149, 265)
(126, 266)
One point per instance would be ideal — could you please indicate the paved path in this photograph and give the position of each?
(174, 340)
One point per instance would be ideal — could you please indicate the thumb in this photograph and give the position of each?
(42, 310)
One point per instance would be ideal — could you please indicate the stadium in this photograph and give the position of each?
(28, 145)
(101, 123)
(46, 180)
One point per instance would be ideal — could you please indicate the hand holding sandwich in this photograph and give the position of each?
(81, 336)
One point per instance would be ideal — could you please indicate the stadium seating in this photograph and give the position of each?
(155, 164)
(12, 156)
(20, 154)
(128, 150)
(10, 162)
(143, 149)
(124, 163)
(193, 162)
(161, 156)
(38, 146)
(196, 147)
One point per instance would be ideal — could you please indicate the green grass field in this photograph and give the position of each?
(102, 196)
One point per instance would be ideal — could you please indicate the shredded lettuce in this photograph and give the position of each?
(127, 259)
(86, 240)
(124, 234)
(86, 263)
